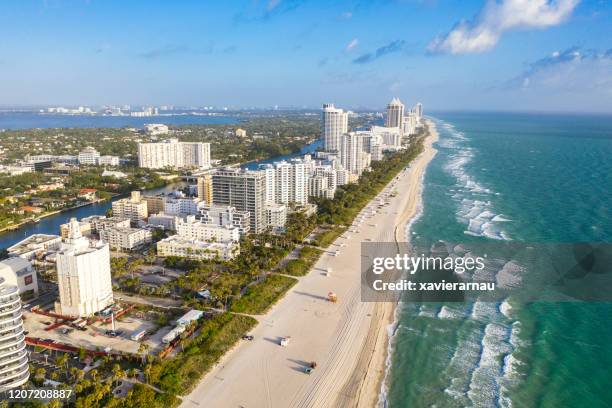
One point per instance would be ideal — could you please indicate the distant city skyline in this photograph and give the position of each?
(508, 55)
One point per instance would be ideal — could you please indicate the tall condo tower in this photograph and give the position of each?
(334, 125)
(14, 367)
(418, 109)
(395, 113)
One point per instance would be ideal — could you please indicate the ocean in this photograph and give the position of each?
(533, 178)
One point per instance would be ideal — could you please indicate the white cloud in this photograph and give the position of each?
(347, 15)
(272, 4)
(352, 45)
(497, 17)
(572, 70)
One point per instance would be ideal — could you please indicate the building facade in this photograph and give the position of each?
(125, 238)
(334, 125)
(353, 155)
(14, 368)
(174, 154)
(225, 215)
(244, 190)
(19, 272)
(89, 156)
(196, 229)
(191, 248)
(395, 114)
(287, 182)
(133, 208)
(205, 190)
(83, 275)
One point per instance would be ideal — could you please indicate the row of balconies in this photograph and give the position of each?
(15, 379)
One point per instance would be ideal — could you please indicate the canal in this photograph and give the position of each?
(51, 224)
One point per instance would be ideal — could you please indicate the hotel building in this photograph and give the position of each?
(83, 275)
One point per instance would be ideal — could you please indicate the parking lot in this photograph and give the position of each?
(95, 337)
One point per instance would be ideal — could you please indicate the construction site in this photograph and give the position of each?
(124, 329)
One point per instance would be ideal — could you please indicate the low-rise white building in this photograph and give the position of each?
(108, 160)
(276, 216)
(100, 222)
(164, 221)
(115, 174)
(196, 229)
(155, 129)
(181, 206)
(34, 245)
(225, 215)
(125, 239)
(192, 248)
(89, 156)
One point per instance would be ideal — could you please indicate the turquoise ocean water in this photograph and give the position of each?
(525, 178)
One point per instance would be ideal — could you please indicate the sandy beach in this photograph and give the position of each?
(348, 339)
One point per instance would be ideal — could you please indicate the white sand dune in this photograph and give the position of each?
(347, 339)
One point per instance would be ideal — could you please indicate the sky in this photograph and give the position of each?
(511, 55)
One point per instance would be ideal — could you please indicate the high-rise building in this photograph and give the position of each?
(243, 189)
(14, 369)
(83, 275)
(133, 208)
(353, 155)
(287, 182)
(334, 125)
(410, 123)
(323, 182)
(395, 113)
(175, 154)
(205, 188)
(418, 110)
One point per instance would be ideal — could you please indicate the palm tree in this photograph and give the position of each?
(142, 350)
(40, 373)
(118, 372)
(62, 360)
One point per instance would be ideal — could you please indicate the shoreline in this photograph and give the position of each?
(373, 390)
(348, 339)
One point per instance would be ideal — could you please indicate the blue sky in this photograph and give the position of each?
(497, 55)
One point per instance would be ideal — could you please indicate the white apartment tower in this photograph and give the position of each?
(395, 113)
(175, 154)
(418, 110)
(83, 275)
(353, 156)
(287, 182)
(334, 125)
(14, 369)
